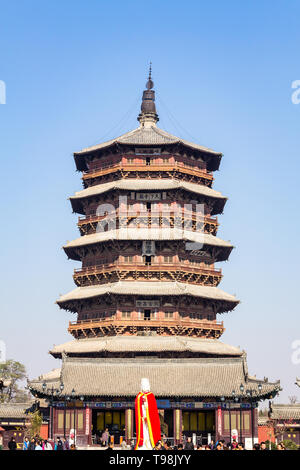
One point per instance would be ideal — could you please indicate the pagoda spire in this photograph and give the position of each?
(148, 116)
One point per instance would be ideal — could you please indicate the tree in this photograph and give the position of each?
(12, 372)
(293, 399)
(35, 423)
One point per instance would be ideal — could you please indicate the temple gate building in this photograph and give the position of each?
(147, 301)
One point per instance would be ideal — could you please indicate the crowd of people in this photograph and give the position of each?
(36, 443)
(165, 445)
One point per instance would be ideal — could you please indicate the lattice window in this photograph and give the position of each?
(126, 315)
(169, 315)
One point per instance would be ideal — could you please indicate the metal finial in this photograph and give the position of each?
(150, 83)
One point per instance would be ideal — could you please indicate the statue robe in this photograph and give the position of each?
(147, 421)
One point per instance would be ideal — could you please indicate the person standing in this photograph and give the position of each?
(66, 444)
(189, 445)
(105, 438)
(31, 445)
(26, 443)
(12, 445)
(47, 445)
(39, 446)
(59, 444)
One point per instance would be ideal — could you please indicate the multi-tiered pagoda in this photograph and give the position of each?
(147, 298)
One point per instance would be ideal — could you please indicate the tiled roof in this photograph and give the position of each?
(147, 185)
(146, 344)
(151, 288)
(203, 377)
(149, 234)
(285, 412)
(263, 420)
(14, 410)
(147, 136)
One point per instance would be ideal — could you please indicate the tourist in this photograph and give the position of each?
(211, 445)
(240, 446)
(219, 446)
(189, 445)
(124, 445)
(180, 447)
(58, 444)
(32, 444)
(110, 447)
(263, 446)
(12, 445)
(105, 438)
(256, 446)
(47, 445)
(26, 443)
(158, 446)
(234, 444)
(39, 445)
(167, 445)
(73, 447)
(66, 444)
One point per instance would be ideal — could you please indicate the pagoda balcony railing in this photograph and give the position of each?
(128, 158)
(140, 266)
(153, 166)
(185, 214)
(92, 323)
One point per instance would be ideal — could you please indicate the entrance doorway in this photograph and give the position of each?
(200, 423)
(147, 314)
(114, 421)
(168, 424)
(148, 260)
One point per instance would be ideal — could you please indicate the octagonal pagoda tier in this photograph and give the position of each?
(148, 246)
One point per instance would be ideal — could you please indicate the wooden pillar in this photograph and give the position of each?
(88, 425)
(128, 425)
(177, 425)
(219, 423)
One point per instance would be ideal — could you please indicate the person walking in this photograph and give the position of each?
(39, 445)
(58, 444)
(26, 443)
(105, 438)
(31, 445)
(189, 445)
(47, 445)
(66, 444)
(12, 445)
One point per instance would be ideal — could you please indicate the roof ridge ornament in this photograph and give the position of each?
(148, 116)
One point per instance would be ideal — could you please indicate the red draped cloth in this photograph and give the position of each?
(152, 419)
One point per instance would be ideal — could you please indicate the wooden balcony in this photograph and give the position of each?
(153, 218)
(176, 271)
(126, 169)
(111, 326)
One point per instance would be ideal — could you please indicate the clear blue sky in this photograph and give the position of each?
(73, 69)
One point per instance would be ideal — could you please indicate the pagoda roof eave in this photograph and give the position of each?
(137, 344)
(146, 185)
(154, 288)
(197, 240)
(148, 136)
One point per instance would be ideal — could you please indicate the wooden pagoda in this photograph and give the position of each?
(147, 294)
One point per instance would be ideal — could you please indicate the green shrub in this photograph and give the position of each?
(290, 445)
